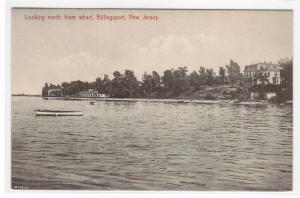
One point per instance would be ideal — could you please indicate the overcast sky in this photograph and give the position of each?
(58, 51)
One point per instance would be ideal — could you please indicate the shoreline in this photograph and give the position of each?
(26, 95)
(174, 100)
(192, 101)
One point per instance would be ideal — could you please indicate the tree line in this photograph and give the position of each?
(172, 83)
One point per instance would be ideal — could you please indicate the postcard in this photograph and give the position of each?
(151, 99)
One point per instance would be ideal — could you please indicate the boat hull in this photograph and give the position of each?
(58, 113)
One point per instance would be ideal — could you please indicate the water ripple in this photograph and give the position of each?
(152, 146)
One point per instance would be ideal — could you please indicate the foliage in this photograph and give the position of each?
(173, 83)
(222, 74)
(194, 80)
(287, 75)
(262, 78)
(234, 72)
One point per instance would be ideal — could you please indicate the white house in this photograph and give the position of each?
(55, 93)
(91, 94)
(269, 70)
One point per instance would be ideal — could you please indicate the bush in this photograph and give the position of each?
(274, 99)
(209, 97)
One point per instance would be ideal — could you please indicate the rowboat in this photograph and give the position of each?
(57, 113)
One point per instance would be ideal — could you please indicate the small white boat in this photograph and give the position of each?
(57, 113)
(92, 103)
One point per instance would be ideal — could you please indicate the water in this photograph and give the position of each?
(151, 146)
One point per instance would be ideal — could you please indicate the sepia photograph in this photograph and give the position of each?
(151, 99)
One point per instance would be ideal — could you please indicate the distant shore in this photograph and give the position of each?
(31, 95)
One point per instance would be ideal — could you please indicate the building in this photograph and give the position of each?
(256, 95)
(91, 94)
(270, 95)
(54, 93)
(270, 72)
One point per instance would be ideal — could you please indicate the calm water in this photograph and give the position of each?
(151, 146)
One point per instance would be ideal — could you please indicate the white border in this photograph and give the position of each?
(147, 4)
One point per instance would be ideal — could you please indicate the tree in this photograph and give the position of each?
(156, 79)
(148, 83)
(117, 85)
(262, 77)
(180, 81)
(194, 79)
(106, 84)
(99, 85)
(167, 79)
(66, 89)
(130, 82)
(45, 90)
(46, 86)
(117, 75)
(202, 76)
(287, 76)
(287, 71)
(222, 74)
(234, 74)
(209, 76)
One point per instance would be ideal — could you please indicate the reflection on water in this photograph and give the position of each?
(151, 146)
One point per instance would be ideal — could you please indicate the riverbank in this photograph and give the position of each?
(195, 101)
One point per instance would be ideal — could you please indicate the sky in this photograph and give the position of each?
(57, 51)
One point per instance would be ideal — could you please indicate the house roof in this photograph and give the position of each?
(262, 67)
(54, 90)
